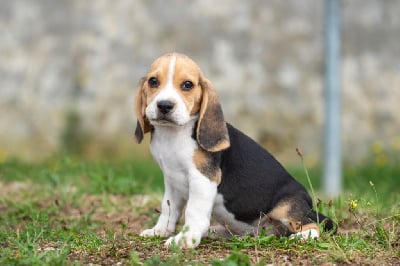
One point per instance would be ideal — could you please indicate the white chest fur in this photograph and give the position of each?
(173, 147)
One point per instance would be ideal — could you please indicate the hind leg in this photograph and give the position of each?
(218, 231)
(228, 225)
(293, 213)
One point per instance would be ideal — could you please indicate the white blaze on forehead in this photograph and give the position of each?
(171, 69)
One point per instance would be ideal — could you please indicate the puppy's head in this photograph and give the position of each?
(174, 92)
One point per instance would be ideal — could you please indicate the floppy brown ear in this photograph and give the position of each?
(142, 125)
(212, 132)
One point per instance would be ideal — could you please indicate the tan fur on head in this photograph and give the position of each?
(212, 133)
(142, 125)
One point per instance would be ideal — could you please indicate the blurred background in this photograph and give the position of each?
(69, 71)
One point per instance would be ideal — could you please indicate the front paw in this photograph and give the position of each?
(155, 232)
(184, 239)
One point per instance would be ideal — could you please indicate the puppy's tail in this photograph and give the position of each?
(327, 224)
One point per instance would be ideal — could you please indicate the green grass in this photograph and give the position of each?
(124, 177)
(71, 211)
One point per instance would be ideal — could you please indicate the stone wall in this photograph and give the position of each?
(69, 68)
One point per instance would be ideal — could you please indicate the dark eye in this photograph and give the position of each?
(187, 85)
(153, 82)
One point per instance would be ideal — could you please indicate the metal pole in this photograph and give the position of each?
(332, 153)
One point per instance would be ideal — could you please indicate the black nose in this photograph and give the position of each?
(165, 106)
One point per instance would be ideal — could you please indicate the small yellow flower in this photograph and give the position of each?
(377, 147)
(353, 204)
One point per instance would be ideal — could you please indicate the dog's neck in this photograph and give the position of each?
(173, 147)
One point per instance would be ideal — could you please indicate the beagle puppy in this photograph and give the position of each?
(211, 167)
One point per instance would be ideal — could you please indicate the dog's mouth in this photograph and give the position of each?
(163, 121)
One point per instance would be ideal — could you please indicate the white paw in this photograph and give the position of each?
(184, 239)
(306, 234)
(155, 232)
